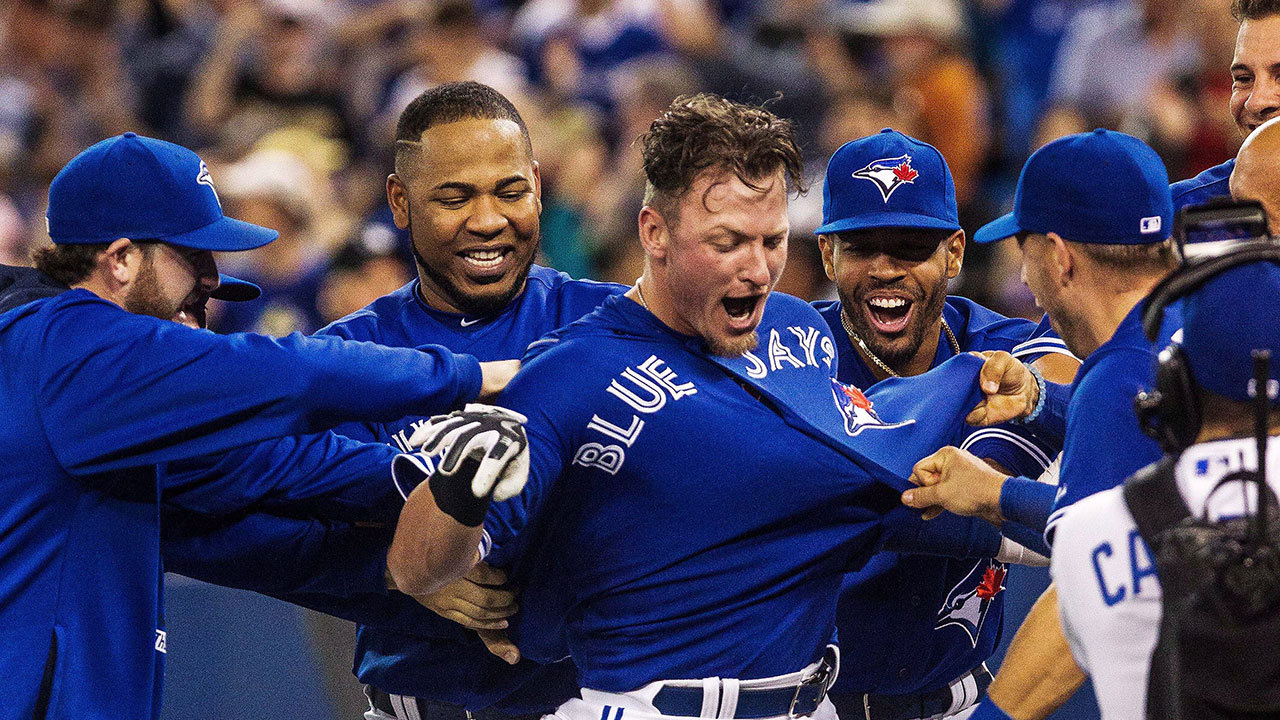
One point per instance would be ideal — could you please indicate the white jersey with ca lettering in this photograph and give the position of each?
(1108, 593)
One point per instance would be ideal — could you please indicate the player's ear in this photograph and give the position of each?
(121, 260)
(1062, 260)
(955, 253)
(537, 185)
(398, 199)
(655, 234)
(827, 248)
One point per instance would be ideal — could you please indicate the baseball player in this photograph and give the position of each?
(99, 386)
(467, 188)
(890, 241)
(705, 489)
(1255, 92)
(1089, 263)
(1108, 589)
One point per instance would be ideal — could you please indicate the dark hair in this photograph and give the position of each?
(1243, 10)
(1153, 258)
(703, 131)
(449, 103)
(68, 264)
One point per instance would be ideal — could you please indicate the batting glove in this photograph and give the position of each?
(469, 457)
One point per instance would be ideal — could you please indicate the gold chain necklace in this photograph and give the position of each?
(848, 328)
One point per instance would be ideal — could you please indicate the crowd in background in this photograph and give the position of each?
(294, 103)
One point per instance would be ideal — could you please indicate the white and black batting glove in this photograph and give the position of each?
(469, 457)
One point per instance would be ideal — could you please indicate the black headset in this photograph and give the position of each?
(1171, 413)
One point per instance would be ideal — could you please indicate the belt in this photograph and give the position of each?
(968, 688)
(404, 707)
(797, 700)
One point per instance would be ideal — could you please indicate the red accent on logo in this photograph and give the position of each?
(856, 397)
(992, 582)
(905, 173)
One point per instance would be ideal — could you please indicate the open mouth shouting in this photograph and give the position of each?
(889, 314)
(743, 311)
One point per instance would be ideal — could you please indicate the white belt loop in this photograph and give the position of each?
(710, 697)
(728, 697)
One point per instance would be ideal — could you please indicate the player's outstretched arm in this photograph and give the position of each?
(466, 459)
(1039, 673)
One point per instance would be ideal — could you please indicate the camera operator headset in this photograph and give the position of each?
(1220, 580)
(1206, 595)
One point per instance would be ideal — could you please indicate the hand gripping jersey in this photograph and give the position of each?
(94, 397)
(922, 620)
(703, 509)
(402, 647)
(1108, 591)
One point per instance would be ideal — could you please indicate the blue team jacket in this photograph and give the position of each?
(94, 397)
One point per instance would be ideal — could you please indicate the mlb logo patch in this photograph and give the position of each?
(1150, 225)
(889, 174)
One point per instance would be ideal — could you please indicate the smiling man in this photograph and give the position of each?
(698, 477)
(891, 241)
(1255, 92)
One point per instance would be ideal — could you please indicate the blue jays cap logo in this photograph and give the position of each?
(857, 410)
(204, 178)
(889, 174)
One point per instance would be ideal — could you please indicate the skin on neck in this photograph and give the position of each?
(1227, 419)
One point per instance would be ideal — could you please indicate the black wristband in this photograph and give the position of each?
(454, 497)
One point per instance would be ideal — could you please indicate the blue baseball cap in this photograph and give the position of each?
(235, 290)
(887, 180)
(1227, 318)
(1101, 187)
(136, 187)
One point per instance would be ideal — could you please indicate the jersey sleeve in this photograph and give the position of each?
(135, 390)
(323, 475)
(1104, 443)
(1016, 448)
(279, 556)
(905, 530)
(1042, 341)
(538, 392)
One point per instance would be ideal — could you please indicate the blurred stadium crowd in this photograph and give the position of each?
(293, 102)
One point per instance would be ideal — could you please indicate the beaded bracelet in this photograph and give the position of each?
(1035, 412)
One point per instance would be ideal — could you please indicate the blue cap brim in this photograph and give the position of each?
(1002, 227)
(235, 290)
(224, 235)
(885, 219)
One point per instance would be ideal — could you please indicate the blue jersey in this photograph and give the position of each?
(94, 397)
(402, 647)
(920, 620)
(1104, 443)
(702, 509)
(1209, 184)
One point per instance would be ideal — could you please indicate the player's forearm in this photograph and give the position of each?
(430, 548)
(1027, 502)
(1039, 673)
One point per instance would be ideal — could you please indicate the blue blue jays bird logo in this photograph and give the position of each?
(889, 174)
(969, 601)
(857, 410)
